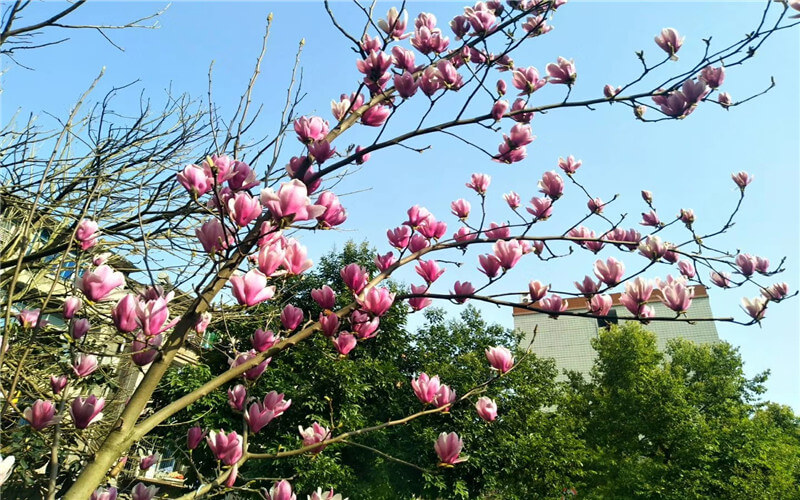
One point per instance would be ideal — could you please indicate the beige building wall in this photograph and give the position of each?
(568, 338)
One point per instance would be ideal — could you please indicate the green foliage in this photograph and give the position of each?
(682, 424)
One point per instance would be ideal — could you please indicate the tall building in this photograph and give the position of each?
(568, 338)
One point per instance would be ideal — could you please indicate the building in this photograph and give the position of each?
(568, 338)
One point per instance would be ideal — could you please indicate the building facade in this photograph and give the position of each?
(568, 338)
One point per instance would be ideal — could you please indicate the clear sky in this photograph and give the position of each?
(687, 164)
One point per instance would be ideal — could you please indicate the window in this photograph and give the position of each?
(611, 320)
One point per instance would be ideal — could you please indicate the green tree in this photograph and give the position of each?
(527, 452)
(681, 424)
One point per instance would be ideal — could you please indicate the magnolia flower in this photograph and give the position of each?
(226, 447)
(251, 289)
(500, 358)
(670, 41)
(6, 467)
(40, 414)
(448, 447)
(314, 434)
(487, 408)
(86, 411)
(98, 284)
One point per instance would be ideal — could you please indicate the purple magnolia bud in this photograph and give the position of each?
(670, 42)
(419, 303)
(742, 179)
(487, 409)
(310, 129)
(527, 80)
(148, 461)
(553, 305)
(499, 109)
(86, 233)
(71, 306)
(237, 396)
(501, 87)
(194, 437)
(57, 384)
(650, 219)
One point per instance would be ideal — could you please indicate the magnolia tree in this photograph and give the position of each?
(136, 236)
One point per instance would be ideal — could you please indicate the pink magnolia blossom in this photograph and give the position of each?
(313, 435)
(194, 436)
(724, 99)
(650, 219)
(500, 358)
(325, 297)
(86, 411)
(291, 201)
(84, 364)
(425, 387)
(364, 327)
(487, 409)
(755, 308)
(489, 265)
(321, 151)
(595, 205)
(72, 305)
(98, 284)
(237, 396)
(86, 233)
(152, 316)
(404, 59)
(499, 109)
(291, 317)
(653, 248)
(588, 286)
(344, 343)
(29, 318)
(762, 265)
(746, 264)
(355, 277)
(214, 237)
(427, 38)
(721, 279)
(264, 340)
(562, 72)
(448, 448)
(713, 77)
(501, 88)
(148, 461)
(377, 301)
(142, 492)
(537, 25)
(310, 129)
(686, 216)
(419, 303)
(57, 384)
(225, 447)
(463, 289)
(281, 490)
(429, 270)
(460, 208)
(636, 294)
(219, 167)
(445, 396)
(497, 231)
(406, 85)
(243, 177)
(541, 208)
(551, 185)
(196, 180)
(774, 292)
(399, 237)
(609, 272)
(144, 348)
(517, 113)
(677, 296)
(687, 269)
(464, 235)
(433, 228)
(537, 290)
(275, 402)
(527, 80)
(600, 305)
(512, 199)
(553, 305)
(124, 314)
(254, 372)
(670, 41)
(243, 208)
(104, 494)
(610, 92)
(479, 183)
(251, 289)
(202, 323)
(742, 179)
(395, 24)
(271, 257)
(376, 115)
(329, 324)
(508, 253)
(327, 495)
(79, 328)
(258, 416)
(40, 414)
(417, 216)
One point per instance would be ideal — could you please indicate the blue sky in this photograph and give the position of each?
(687, 164)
